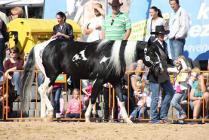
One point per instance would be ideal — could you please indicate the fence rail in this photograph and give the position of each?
(11, 111)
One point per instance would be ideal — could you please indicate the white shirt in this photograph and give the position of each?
(151, 25)
(179, 24)
(95, 34)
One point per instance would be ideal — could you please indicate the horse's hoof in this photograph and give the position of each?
(50, 113)
(127, 120)
(58, 116)
(47, 119)
(87, 119)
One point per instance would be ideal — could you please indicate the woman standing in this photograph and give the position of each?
(93, 28)
(156, 19)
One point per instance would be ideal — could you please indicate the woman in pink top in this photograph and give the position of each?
(74, 105)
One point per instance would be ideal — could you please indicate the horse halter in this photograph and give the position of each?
(147, 58)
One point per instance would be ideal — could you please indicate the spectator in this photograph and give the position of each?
(198, 93)
(139, 85)
(208, 65)
(117, 25)
(155, 19)
(87, 90)
(207, 75)
(16, 12)
(74, 105)
(56, 94)
(62, 30)
(3, 39)
(107, 90)
(93, 28)
(179, 27)
(181, 85)
(3, 17)
(160, 80)
(10, 66)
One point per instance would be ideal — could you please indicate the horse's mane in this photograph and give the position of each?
(127, 52)
(130, 52)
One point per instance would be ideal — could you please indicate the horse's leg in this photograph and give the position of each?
(45, 103)
(119, 92)
(95, 92)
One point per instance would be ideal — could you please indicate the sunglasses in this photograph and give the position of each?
(13, 52)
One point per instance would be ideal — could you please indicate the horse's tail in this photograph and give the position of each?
(26, 81)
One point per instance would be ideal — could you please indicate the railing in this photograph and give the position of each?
(36, 104)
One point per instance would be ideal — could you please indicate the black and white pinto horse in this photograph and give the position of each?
(102, 61)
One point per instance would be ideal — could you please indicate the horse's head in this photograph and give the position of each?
(152, 59)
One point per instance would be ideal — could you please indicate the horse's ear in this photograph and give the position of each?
(149, 43)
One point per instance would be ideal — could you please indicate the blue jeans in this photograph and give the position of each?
(176, 47)
(175, 102)
(15, 81)
(138, 111)
(56, 93)
(169, 92)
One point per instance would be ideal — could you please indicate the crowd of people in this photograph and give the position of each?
(150, 96)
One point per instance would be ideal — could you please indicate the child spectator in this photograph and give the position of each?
(16, 12)
(181, 85)
(139, 85)
(74, 105)
(198, 93)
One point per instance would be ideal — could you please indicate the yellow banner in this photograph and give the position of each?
(138, 31)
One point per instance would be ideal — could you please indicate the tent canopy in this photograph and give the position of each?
(12, 3)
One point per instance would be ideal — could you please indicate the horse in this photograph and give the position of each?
(103, 61)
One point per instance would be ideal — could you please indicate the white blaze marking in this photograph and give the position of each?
(79, 56)
(83, 57)
(75, 57)
(104, 59)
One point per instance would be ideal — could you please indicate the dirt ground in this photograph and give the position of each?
(101, 131)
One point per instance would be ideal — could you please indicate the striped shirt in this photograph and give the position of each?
(115, 28)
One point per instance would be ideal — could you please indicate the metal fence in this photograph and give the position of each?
(11, 108)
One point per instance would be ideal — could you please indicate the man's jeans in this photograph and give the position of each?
(176, 47)
(175, 102)
(169, 92)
